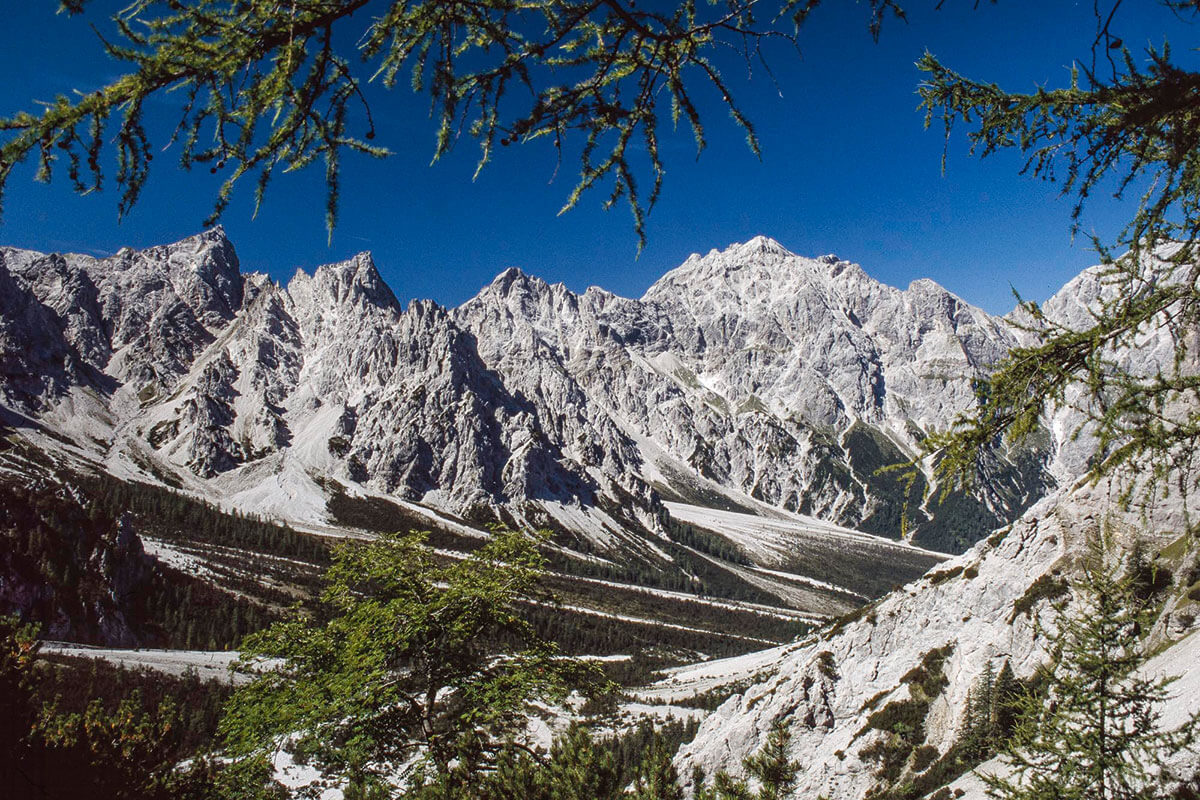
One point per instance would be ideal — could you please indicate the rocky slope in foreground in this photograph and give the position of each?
(914, 655)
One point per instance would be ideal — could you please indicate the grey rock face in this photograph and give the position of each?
(980, 609)
(141, 317)
(752, 373)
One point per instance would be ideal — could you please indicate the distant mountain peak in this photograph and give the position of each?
(927, 286)
(513, 277)
(351, 281)
(760, 270)
(758, 250)
(762, 244)
(214, 234)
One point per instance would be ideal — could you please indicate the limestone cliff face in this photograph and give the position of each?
(746, 375)
(967, 613)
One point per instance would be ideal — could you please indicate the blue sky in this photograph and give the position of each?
(846, 168)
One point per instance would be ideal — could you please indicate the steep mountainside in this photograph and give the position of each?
(749, 380)
(879, 702)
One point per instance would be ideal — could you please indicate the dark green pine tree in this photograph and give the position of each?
(18, 649)
(978, 736)
(1005, 694)
(578, 768)
(657, 778)
(770, 767)
(1095, 734)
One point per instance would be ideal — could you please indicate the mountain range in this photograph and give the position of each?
(722, 434)
(749, 379)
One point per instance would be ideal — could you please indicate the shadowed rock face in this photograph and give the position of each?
(750, 372)
(36, 363)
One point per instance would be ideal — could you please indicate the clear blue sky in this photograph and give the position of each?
(846, 168)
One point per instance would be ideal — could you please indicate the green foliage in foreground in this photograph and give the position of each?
(406, 658)
(420, 673)
(1127, 122)
(1093, 732)
(398, 628)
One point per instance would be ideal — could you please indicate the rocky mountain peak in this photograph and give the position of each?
(760, 272)
(526, 301)
(719, 264)
(203, 268)
(213, 238)
(514, 283)
(355, 283)
(927, 286)
(762, 245)
(512, 276)
(938, 301)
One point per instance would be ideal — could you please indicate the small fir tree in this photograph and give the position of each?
(991, 713)
(1095, 734)
(1005, 695)
(976, 732)
(770, 767)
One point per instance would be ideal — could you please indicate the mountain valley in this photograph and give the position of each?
(181, 443)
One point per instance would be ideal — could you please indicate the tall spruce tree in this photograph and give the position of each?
(1006, 692)
(1094, 733)
(978, 735)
